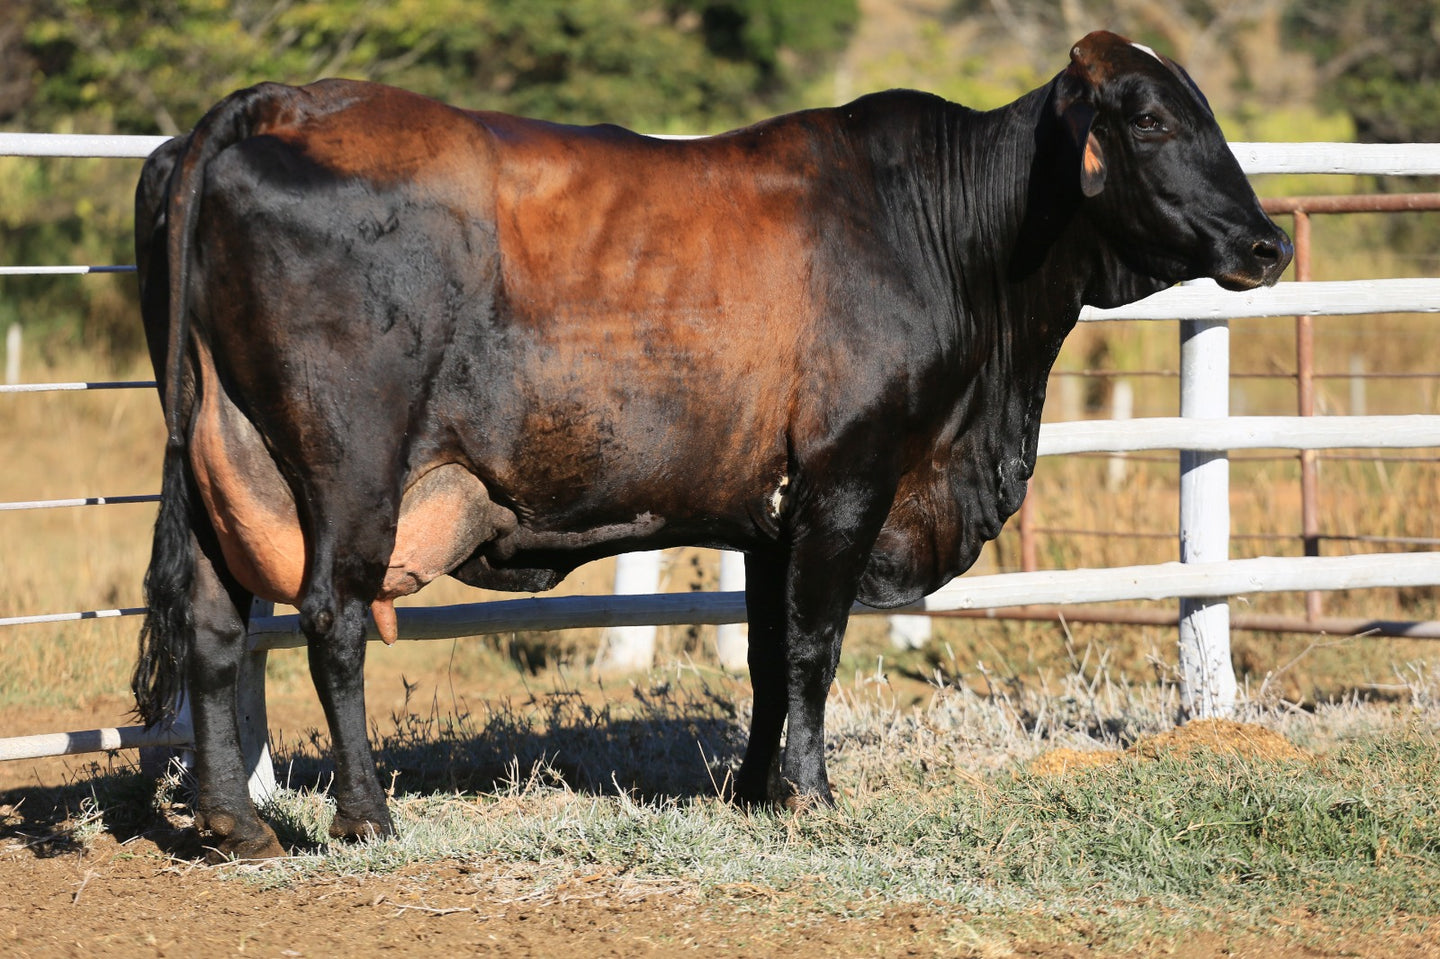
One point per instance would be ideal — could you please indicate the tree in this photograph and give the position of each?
(143, 67)
(1222, 43)
(16, 66)
(1379, 61)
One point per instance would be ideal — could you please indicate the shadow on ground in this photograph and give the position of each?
(656, 743)
(660, 743)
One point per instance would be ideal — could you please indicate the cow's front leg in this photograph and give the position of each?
(814, 632)
(223, 809)
(831, 541)
(759, 776)
(337, 665)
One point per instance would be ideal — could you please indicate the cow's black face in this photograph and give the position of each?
(1160, 182)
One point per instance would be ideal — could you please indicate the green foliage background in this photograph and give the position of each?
(143, 67)
(1379, 61)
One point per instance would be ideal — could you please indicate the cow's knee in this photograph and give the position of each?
(317, 614)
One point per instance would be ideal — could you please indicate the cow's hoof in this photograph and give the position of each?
(750, 800)
(807, 802)
(803, 797)
(360, 827)
(229, 840)
(781, 794)
(745, 792)
(762, 790)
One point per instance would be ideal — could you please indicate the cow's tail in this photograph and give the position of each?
(166, 635)
(168, 631)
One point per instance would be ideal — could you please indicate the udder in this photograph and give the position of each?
(445, 513)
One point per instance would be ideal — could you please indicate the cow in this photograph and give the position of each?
(396, 340)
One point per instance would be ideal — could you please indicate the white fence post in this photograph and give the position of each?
(1122, 407)
(629, 648)
(1357, 384)
(155, 761)
(732, 640)
(250, 714)
(907, 631)
(1207, 676)
(12, 355)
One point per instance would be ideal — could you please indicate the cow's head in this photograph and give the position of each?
(1160, 182)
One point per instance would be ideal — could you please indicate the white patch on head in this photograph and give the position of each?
(778, 500)
(1145, 49)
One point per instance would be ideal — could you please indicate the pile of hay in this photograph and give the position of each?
(1223, 737)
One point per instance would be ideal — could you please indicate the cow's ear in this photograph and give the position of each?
(1079, 119)
(1075, 107)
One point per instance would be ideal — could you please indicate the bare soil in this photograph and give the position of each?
(153, 896)
(137, 900)
(134, 900)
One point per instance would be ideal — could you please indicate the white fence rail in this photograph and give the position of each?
(1204, 300)
(1203, 434)
(1240, 433)
(1046, 587)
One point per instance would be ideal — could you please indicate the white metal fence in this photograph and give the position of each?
(1204, 433)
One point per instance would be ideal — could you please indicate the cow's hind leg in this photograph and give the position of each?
(337, 665)
(350, 507)
(348, 556)
(223, 808)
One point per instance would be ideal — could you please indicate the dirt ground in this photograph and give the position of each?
(134, 900)
(153, 896)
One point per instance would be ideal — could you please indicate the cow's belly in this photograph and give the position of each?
(445, 513)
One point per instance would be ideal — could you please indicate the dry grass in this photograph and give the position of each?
(63, 445)
(981, 805)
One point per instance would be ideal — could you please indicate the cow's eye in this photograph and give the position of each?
(1147, 124)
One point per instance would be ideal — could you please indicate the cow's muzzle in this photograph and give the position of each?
(1262, 264)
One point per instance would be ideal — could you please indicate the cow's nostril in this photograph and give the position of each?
(1265, 250)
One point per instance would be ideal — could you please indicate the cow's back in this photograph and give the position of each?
(586, 319)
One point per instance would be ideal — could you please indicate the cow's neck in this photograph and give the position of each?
(1009, 257)
(1009, 192)
(1023, 261)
